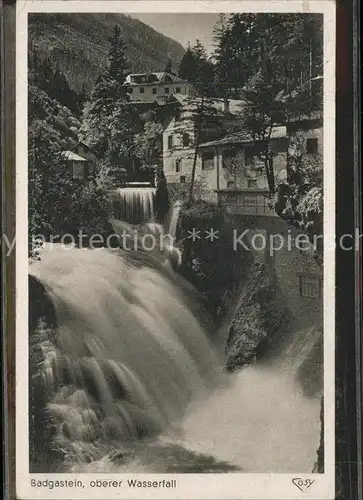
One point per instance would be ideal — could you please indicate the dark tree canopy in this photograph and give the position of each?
(197, 69)
(169, 67)
(291, 43)
(118, 65)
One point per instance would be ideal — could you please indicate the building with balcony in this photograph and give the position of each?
(230, 173)
(150, 87)
(180, 136)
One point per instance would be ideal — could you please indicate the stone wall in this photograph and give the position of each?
(293, 268)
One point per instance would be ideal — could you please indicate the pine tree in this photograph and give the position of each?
(109, 119)
(169, 67)
(219, 30)
(198, 69)
(187, 65)
(108, 94)
(270, 59)
(117, 67)
(234, 54)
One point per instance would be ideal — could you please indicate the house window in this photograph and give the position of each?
(170, 142)
(231, 184)
(178, 90)
(207, 160)
(312, 146)
(249, 156)
(90, 169)
(228, 156)
(166, 90)
(154, 91)
(178, 166)
(78, 170)
(186, 139)
(250, 200)
(252, 183)
(278, 145)
(309, 286)
(177, 114)
(130, 90)
(182, 179)
(142, 90)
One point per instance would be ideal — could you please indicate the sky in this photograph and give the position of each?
(183, 28)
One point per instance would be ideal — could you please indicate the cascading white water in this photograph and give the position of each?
(129, 360)
(128, 355)
(174, 218)
(134, 204)
(260, 418)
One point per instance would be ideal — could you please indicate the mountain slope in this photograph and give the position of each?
(79, 44)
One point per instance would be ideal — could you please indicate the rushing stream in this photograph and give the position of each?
(134, 205)
(129, 379)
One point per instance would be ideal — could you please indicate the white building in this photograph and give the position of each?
(156, 86)
(179, 138)
(235, 173)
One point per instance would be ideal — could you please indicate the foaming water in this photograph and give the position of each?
(256, 421)
(132, 383)
(173, 218)
(260, 421)
(134, 204)
(128, 355)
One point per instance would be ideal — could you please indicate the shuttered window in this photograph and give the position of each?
(207, 160)
(309, 286)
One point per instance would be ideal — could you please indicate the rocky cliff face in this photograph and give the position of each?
(260, 322)
(262, 330)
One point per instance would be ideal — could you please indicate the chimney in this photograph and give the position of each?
(226, 106)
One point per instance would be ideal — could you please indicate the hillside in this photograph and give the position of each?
(79, 44)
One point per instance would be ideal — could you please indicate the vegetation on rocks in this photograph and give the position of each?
(261, 322)
(58, 204)
(210, 264)
(109, 123)
(79, 45)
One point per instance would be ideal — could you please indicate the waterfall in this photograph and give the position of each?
(120, 366)
(172, 221)
(134, 204)
(260, 421)
(127, 356)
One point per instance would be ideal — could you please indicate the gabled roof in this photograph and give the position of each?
(237, 138)
(243, 137)
(71, 156)
(85, 144)
(152, 78)
(235, 106)
(145, 102)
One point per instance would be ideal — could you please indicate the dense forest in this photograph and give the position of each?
(58, 117)
(274, 63)
(271, 61)
(78, 43)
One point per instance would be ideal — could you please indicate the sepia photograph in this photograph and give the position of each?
(175, 313)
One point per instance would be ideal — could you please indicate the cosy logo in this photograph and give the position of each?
(303, 484)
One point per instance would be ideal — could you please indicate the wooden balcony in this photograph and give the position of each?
(245, 202)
